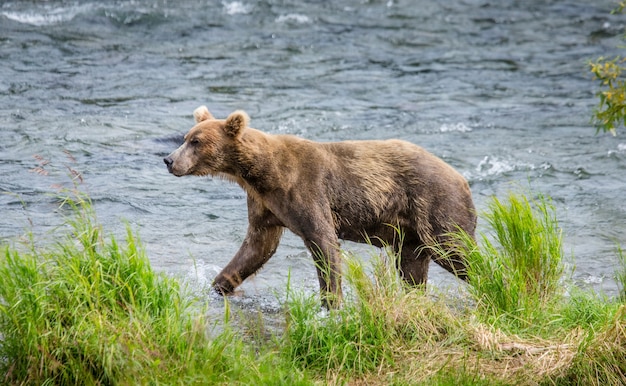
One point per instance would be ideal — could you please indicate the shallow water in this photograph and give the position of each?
(500, 90)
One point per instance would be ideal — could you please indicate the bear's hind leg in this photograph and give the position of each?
(450, 255)
(413, 264)
(453, 262)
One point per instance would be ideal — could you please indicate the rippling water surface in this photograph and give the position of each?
(499, 89)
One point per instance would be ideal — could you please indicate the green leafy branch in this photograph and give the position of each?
(611, 111)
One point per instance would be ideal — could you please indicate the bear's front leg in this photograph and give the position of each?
(259, 245)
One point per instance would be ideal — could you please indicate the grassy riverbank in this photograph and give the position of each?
(90, 310)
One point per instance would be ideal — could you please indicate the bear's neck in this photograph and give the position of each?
(252, 168)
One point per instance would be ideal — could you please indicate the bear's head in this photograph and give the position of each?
(207, 145)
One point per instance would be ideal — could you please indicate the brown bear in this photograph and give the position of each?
(361, 191)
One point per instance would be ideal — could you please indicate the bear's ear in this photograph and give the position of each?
(236, 122)
(202, 114)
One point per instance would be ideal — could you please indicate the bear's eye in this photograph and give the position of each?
(194, 141)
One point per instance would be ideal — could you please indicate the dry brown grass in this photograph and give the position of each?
(492, 356)
(428, 337)
(485, 354)
(602, 360)
(431, 337)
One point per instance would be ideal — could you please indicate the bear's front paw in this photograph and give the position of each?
(223, 289)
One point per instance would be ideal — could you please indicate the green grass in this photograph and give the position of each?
(516, 273)
(88, 309)
(378, 318)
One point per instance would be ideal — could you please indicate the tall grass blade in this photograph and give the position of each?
(620, 275)
(516, 273)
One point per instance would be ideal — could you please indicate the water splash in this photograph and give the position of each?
(200, 275)
(493, 166)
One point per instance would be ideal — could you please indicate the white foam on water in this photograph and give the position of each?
(455, 127)
(293, 18)
(621, 148)
(45, 16)
(36, 19)
(492, 166)
(236, 8)
(591, 279)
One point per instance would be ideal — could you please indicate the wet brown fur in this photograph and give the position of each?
(323, 192)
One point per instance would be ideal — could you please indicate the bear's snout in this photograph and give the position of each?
(168, 162)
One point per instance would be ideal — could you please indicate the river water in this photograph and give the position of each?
(499, 89)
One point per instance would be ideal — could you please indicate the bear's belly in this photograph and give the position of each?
(377, 235)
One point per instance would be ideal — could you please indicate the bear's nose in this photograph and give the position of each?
(168, 162)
